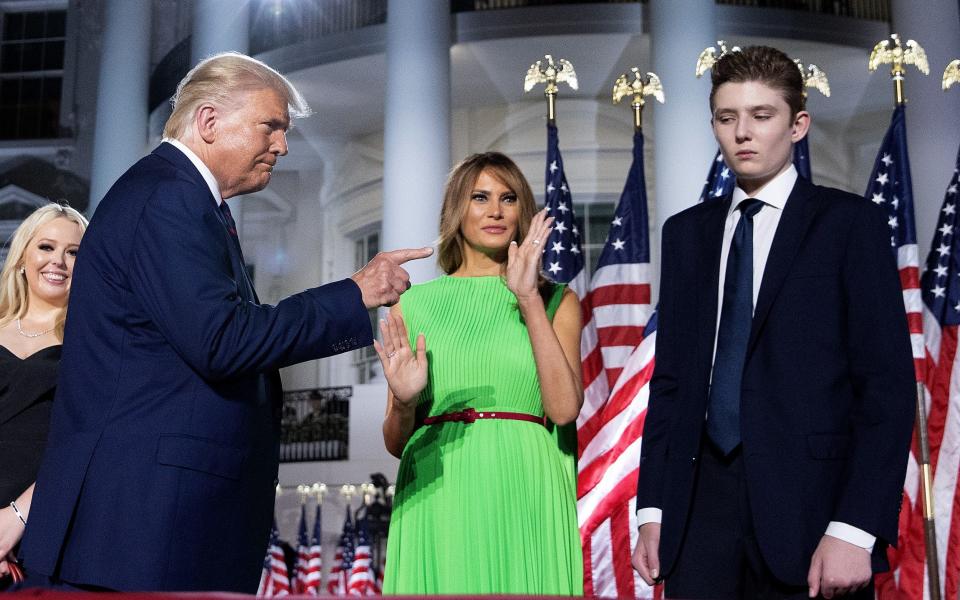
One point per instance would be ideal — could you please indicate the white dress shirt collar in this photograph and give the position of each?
(775, 193)
(205, 172)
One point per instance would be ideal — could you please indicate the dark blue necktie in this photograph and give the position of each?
(736, 317)
(228, 217)
(232, 229)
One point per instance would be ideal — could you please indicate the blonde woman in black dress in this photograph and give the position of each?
(34, 287)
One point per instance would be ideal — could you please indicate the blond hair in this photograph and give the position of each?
(13, 284)
(218, 80)
(456, 199)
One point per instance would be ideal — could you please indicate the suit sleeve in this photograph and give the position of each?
(882, 374)
(663, 384)
(180, 273)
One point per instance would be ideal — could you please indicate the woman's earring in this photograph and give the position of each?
(23, 270)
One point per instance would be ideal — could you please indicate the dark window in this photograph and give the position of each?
(31, 73)
(597, 215)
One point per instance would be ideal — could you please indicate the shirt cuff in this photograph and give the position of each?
(649, 515)
(852, 535)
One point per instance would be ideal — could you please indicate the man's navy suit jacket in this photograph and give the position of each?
(827, 403)
(163, 451)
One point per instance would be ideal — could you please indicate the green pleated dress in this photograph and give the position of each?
(490, 506)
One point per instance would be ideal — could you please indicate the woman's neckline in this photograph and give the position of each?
(29, 356)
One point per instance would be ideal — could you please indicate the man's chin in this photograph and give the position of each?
(258, 186)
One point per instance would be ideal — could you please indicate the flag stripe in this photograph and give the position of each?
(615, 374)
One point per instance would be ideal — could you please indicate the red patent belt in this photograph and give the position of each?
(470, 415)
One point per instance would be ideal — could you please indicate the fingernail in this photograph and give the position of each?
(655, 573)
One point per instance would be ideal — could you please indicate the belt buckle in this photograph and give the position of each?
(468, 415)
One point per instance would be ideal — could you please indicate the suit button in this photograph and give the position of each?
(693, 460)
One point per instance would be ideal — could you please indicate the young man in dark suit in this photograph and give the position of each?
(781, 405)
(163, 451)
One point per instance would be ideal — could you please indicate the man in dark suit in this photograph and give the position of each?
(163, 453)
(781, 404)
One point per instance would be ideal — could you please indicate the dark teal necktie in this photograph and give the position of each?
(736, 317)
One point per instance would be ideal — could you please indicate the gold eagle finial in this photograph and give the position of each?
(894, 53)
(951, 74)
(639, 86)
(551, 73)
(814, 77)
(709, 57)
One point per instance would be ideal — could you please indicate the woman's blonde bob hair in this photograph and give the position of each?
(13, 284)
(456, 199)
(219, 80)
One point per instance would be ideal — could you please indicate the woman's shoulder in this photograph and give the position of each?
(420, 292)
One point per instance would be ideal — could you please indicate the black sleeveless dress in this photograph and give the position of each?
(26, 397)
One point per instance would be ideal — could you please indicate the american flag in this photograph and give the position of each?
(342, 561)
(312, 576)
(274, 580)
(721, 180)
(941, 296)
(303, 553)
(941, 299)
(890, 187)
(378, 584)
(361, 581)
(617, 352)
(563, 254)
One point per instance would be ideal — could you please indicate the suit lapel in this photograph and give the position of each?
(798, 213)
(708, 276)
(173, 155)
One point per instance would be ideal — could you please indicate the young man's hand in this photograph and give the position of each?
(837, 568)
(646, 556)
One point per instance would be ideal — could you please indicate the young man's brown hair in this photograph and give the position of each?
(764, 64)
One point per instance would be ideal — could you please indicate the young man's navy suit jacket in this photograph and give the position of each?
(827, 405)
(163, 451)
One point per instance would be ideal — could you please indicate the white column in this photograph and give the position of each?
(932, 132)
(683, 144)
(120, 135)
(416, 137)
(221, 26)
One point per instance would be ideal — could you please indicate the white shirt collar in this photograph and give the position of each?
(775, 193)
(205, 172)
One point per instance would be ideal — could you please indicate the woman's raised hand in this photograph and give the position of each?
(405, 370)
(523, 261)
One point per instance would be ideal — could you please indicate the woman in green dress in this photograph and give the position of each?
(485, 500)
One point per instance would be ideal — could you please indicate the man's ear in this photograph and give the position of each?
(207, 119)
(801, 124)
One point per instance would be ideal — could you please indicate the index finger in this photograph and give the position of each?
(404, 254)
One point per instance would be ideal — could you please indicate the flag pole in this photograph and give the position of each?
(894, 53)
(638, 86)
(899, 57)
(551, 73)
